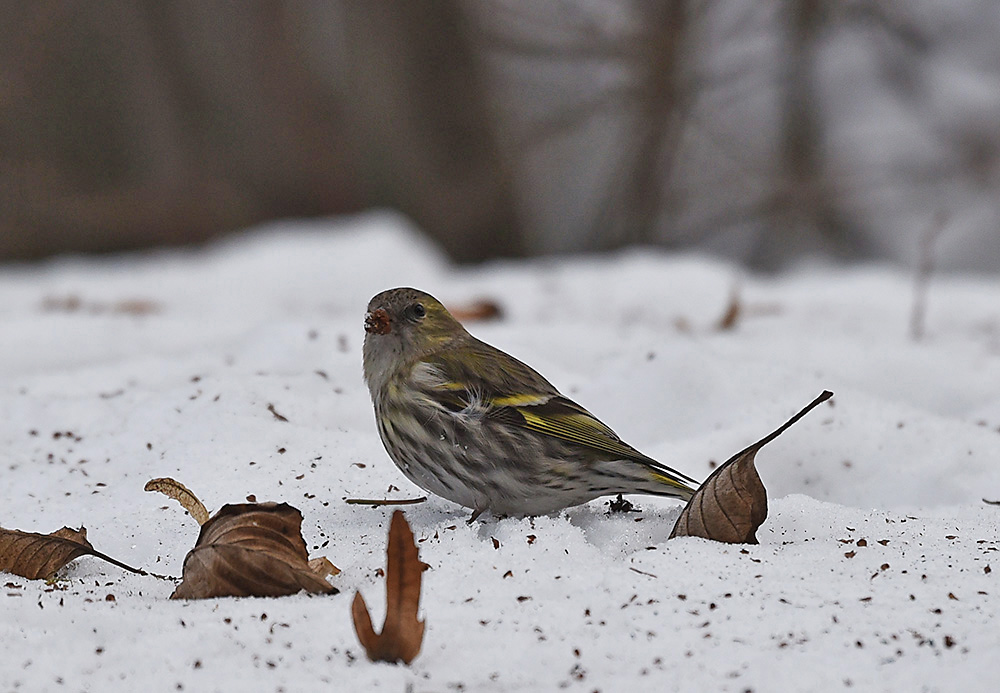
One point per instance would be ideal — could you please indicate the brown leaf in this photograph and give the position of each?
(136, 306)
(40, 556)
(251, 550)
(402, 634)
(483, 309)
(732, 503)
(182, 494)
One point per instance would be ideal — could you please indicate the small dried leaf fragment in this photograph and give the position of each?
(40, 556)
(182, 494)
(252, 550)
(402, 634)
(322, 567)
(732, 503)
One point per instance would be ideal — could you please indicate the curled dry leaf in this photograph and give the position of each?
(39, 556)
(732, 503)
(402, 634)
(252, 550)
(182, 494)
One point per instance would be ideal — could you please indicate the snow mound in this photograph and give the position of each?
(874, 568)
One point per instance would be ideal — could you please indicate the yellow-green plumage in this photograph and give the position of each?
(473, 424)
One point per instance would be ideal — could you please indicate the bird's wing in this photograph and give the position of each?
(477, 378)
(517, 395)
(563, 418)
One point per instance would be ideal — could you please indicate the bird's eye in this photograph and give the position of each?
(417, 311)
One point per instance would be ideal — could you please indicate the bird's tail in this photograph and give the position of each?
(673, 483)
(646, 475)
(668, 481)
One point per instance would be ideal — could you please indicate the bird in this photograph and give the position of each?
(468, 422)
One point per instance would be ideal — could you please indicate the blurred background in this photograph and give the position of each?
(760, 131)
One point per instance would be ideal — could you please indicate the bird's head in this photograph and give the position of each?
(403, 325)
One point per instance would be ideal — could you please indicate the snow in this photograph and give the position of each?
(874, 567)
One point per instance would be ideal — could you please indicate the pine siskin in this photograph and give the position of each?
(468, 422)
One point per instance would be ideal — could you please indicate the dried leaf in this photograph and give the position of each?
(136, 306)
(402, 634)
(481, 310)
(732, 503)
(182, 494)
(251, 550)
(40, 556)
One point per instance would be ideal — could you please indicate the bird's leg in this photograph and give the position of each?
(475, 515)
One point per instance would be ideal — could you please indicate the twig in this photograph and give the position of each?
(112, 561)
(734, 310)
(384, 501)
(279, 417)
(922, 278)
(641, 572)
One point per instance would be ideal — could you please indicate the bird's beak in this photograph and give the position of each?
(377, 322)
